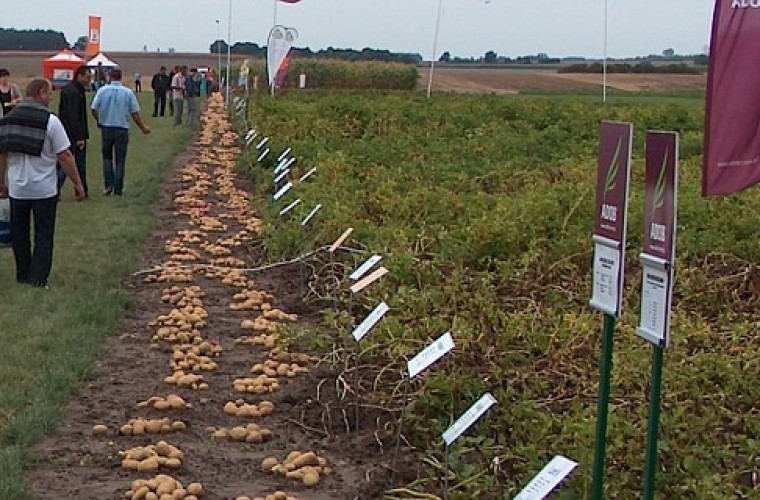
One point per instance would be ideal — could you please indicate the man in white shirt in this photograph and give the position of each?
(32, 142)
(178, 94)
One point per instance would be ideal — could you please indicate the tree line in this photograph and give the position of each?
(13, 39)
(256, 51)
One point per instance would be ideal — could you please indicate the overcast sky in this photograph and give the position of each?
(468, 27)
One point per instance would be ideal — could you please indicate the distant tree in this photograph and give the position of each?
(445, 57)
(81, 44)
(668, 53)
(13, 39)
(218, 46)
(490, 57)
(701, 60)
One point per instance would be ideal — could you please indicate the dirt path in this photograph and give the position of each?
(207, 219)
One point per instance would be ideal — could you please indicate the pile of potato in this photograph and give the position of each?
(273, 368)
(227, 262)
(150, 458)
(306, 467)
(277, 495)
(215, 250)
(170, 402)
(278, 315)
(195, 357)
(163, 487)
(260, 324)
(251, 433)
(251, 299)
(240, 408)
(171, 274)
(141, 426)
(259, 385)
(183, 297)
(191, 380)
(267, 341)
(211, 224)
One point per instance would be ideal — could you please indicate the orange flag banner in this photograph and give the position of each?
(93, 37)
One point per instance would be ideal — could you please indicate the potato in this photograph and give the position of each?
(195, 488)
(173, 463)
(151, 496)
(280, 495)
(165, 487)
(310, 478)
(148, 465)
(140, 493)
(309, 458)
(269, 463)
(179, 494)
(99, 430)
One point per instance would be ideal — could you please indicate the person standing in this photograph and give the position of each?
(192, 90)
(112, 107)
(9, 92)
(32, 141)
(72, 111)
(178, 94)
(138, 83)
(169, 89)
(160, 85)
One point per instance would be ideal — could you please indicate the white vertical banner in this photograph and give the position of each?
(279, 43)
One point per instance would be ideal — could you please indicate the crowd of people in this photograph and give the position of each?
(39, 150)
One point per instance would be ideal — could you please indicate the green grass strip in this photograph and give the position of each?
(50, 339)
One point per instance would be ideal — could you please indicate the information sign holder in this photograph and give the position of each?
(333, 248)
(461, 426)
(304, 245)
(415, 367)
(657, 261)
(548, 479)
(613, 179)
(359, 333)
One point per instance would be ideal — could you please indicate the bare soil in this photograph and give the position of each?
(313, 412)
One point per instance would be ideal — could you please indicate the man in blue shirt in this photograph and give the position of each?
(112, 108)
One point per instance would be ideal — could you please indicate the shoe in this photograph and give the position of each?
(108, 191)
(41, 284)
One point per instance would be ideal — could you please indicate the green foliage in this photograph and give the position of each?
(483, 208)
(13, 39)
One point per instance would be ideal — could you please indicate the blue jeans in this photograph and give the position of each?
(80, 158)
(115, 142)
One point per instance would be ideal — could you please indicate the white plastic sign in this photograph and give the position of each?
(284, 154)
(430, 355)
(548, 479)
(290, 207)
(341, 240)
(279, 194)
(369, 264)
(281, 176)
(263, 155)
(311, 214)
(468, 418)
(370, 321)
(308, 174)
(365, 282)
(261, 144)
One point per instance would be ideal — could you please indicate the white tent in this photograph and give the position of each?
(101, 58)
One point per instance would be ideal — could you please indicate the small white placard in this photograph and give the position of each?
(263, 155)
(283, 190)
(468, 418)
(280, 166)
(367, 281)
(250, 136)
(290, 207)
(343, 238)
(284, 154)
(370, 321)
(281, 176)
(311, 214)
(369, 264)
(430, 355)
(308, 174)
(290, 162)
(655, 301)
(261, 144)
(606, 290)
(548, 479)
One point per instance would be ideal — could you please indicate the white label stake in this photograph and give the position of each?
(279, 194)
(430, 355)
(548, 479)
(370, 321)
(469, 418)
(311, 214)
(263, 155)
(263, 141)
(281, 176)
(284, 154)
(290, 207)
(356, 275)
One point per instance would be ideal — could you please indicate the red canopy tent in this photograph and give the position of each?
(59, 68)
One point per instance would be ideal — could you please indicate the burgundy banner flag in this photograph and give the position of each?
(732, 124)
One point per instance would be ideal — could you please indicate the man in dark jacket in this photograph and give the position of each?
(72, 111)
(160, 85)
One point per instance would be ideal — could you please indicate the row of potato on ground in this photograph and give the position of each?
(192, 355)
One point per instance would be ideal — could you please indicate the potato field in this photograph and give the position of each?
(482, 208)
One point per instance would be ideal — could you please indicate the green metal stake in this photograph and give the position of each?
(602, 407)
(650, 474)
